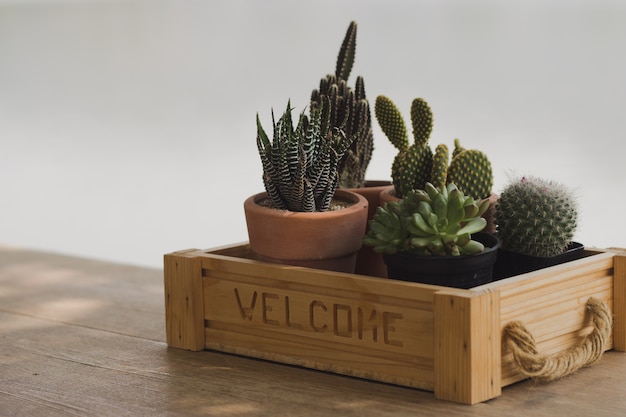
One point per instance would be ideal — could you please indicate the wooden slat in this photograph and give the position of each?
(371, 328)
(552, 305)
(107, 359)
(118, 298)
(467, 346)
(184, 315)
(619, 310)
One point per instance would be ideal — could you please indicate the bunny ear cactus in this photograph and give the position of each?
(351, 113)
(412, 166)
(471, 171)
(439, 173)
(429, 222)
(536, 217)
(300, 164)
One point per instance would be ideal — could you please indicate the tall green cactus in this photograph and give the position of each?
(351, 113)
(300, 164)
(536, 217)
(412, 166)
(471, 171)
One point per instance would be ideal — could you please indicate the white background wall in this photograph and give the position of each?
(127, 128)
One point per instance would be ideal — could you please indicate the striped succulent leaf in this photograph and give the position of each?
(300, 165)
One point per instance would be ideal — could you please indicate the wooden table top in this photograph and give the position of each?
(84, 337)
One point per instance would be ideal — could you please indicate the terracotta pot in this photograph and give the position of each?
(322, 240)
(388, 194)
(369, 262)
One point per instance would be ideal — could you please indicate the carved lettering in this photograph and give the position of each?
(267, 308)
(344, 320)
(370, 323)
(388, 319)
(312, 307)
(246, 312)
(343, 327)
(288, 322)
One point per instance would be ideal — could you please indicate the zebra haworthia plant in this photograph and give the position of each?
(300, 163)
(351, 113)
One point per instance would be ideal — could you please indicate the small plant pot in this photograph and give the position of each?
(512, 263)
(326, 240)
(369, 262)
(388, 194)
(449, 271)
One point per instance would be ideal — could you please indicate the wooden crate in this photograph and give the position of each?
(434, 338)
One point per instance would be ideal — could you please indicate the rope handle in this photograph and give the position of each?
(545, 368)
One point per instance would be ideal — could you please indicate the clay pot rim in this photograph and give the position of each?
(251, 203)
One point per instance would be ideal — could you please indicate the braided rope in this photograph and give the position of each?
(545, 368)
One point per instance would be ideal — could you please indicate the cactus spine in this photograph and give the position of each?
(351, 113)
(536, 217)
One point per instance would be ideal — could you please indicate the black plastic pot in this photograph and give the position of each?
(512, 263)
(464, 272)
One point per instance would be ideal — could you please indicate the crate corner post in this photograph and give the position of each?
(184, 313)
(619, 302)
(467, 346)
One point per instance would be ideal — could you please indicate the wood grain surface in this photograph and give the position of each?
(81, 337)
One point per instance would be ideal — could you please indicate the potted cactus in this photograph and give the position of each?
(352, 114)
(415, 164)
(536, 220)
(301, 218)
(433, 236)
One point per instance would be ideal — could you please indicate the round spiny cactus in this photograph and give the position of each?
(471, 171)
(536, 217)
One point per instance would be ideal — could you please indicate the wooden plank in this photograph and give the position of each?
(115, 297)
(184, 320)
(552, 305)
(52, 369)
(56, 364)
(619, 306)
(358, 326)
(467, 346)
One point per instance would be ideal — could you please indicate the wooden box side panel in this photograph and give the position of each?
(184, 315)
(467, 346)
(619, 302)
(552, 305)
(365, 327)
